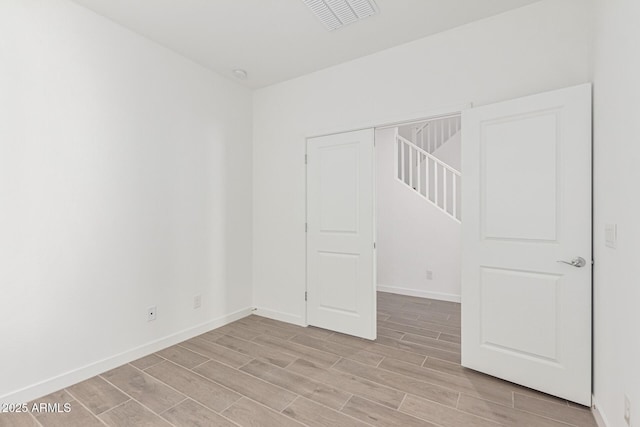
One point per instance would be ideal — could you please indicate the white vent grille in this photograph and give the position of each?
(337, 13)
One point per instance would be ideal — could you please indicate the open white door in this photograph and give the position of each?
(341, 291)
(526, 314)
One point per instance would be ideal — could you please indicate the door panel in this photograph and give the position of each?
(509, 212)
(340, 233)
(526, 317)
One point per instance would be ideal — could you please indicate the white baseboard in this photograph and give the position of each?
(281, 316)
(417, 293)
(67, 379)
(601, 420)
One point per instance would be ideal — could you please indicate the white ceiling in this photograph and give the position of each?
(276, 40)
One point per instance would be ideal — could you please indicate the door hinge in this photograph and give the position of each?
(306, 227)
(305, 295)
(374, 245)
(306, 159)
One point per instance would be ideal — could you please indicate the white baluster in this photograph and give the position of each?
(435, 182)
(402, 148)
(432, 137)
(427, 169)
(395, 157)
(411, 166)
(444, 188)
(418, 174)
(455, 195)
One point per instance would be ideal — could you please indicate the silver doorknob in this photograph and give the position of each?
(576, 262)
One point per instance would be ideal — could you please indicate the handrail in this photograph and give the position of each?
(435, 132)
(423, 126)
(429, 155)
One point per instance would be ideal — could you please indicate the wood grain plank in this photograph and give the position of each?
(376, 348)
(17, 419)
(442, 415)
(423, 324)
(298, 330)
(236, 330)
(264, 329)
(192, 414)
(204, 391)
(268, 394)
(143, 388)
(349, 383)
(313, 415)
(147, 361)
(450, 338)
(298, 350)
(580, 417)
(408, 329)
(431, 342)
(256, 351)
(216, 352)
(436, 393)
(420, 349)
(132, 414)
(311, 389)
(182, 356)
(378, 415)
(483, 380)
(339, 349)
(390, 333)
(503, 414)
(97, 395)
(493, 390)
(77, 416)
(246, 412)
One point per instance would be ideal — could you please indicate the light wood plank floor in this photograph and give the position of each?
(260, 372)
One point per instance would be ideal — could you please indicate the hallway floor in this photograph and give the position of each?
(261, 372)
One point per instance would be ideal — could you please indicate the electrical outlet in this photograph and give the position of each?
(197, 301)
(429, 275)
(627, 410)
(151, 313)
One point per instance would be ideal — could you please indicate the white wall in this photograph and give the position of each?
(125, 181)
(413, 236)
(540, 47)
(616, 176)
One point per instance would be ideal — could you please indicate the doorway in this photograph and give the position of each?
(418, 208)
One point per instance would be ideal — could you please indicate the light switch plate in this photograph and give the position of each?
(611, 235)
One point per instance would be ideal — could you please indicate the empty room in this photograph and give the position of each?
(319, 213)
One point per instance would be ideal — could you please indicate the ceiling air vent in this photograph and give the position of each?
(338, 13)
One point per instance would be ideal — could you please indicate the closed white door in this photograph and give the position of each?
(526, 227)
(341, 292)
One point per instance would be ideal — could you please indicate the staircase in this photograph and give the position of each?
(419, 169)
(433, 134)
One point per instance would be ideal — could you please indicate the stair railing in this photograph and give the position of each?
(434, 133)
(428, 176)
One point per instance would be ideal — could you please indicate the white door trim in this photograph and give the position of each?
(398, 120)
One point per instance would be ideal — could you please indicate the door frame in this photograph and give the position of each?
(398, 120)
